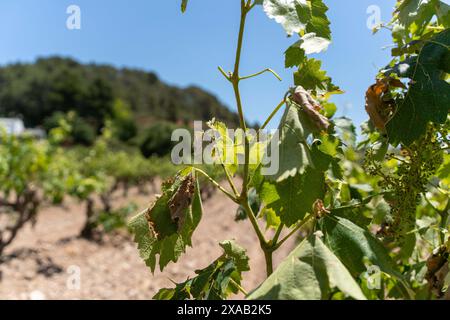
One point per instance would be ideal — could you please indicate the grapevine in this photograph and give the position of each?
(364, 214)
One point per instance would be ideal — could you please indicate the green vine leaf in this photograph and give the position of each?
(294, 56)
(311, 43)
(428, 97)
(311, 77)
(227, 149)
(353, 244)
(319, 23)
(444, 171)
(299, 16)
(215, 282)
(236, 252)
(294, 152)
(300, 180)
(166, 228)
(305, 17)
(294, 197)
(443, 13)
(290, 14)
(310, 272)
(415, 15)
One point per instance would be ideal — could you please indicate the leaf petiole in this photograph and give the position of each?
(274, 112)
(260, 73)
(240, 288)
(277, 234)
(293, 231)
(230, 181)
(216, 184)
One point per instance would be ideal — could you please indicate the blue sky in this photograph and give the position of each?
(186, 49)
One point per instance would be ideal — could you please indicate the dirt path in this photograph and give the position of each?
(42, 261)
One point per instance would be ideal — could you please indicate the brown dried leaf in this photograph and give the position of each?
(319, 209)
(182, 200)
(377, 106)
(311, 108)
(438, 269)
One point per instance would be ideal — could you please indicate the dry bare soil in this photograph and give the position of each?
(41, 261)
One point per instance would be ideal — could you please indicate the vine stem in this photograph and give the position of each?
(235, 79)
(268, 255)
(243, 199)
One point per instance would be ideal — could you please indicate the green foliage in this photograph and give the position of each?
(414, 116)
(40, 91)
(383, 202)
(307, 152)
(118, 219)
(157, 140)
(300, 16)
(255, 204)
(215, 282)
(355, 205)
(312, 77)
(27, 163)
(308, 19)
(228, 149)
(310, 272)
(408, 180)
(123, 125)
(300, 181)
(415, 16)
(428, 96)
(410, 144)
(295, 153)
(30, 174)
(353, 245)
(116, 164)
(81, 132)
(292, 198)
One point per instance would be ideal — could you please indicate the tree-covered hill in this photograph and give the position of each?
(52, 87)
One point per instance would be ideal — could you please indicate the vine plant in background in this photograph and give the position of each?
(33, 173)
(312, 191)
(409, 109)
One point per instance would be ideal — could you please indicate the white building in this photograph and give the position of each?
(16, 127)
(13, 126)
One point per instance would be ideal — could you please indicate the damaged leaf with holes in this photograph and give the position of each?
(166, 228)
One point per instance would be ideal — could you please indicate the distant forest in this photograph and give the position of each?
(134, 100)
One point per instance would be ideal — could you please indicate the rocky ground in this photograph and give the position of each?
(45, 259)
